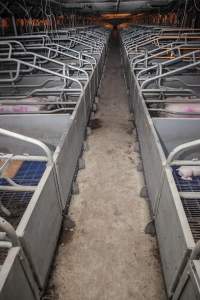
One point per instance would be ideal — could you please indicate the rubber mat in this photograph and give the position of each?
(29, 173)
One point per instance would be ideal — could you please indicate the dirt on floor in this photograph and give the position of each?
(107, 255)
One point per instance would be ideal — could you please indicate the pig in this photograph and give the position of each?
(6, 109)
(186, 172)
(23, 108)
(183, 108)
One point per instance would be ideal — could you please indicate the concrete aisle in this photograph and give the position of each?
(108, 256)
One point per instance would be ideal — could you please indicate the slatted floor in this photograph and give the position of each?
(192, 211)
(16, 202)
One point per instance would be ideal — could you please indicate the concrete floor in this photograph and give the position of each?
(108, 255)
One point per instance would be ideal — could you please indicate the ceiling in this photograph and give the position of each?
(91, 6)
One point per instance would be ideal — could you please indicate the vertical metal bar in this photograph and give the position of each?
(14, 25)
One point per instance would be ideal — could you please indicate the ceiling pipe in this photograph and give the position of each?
(105, 4)
(117, 6)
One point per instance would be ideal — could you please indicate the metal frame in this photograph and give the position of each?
(167, 139)
(61, 130)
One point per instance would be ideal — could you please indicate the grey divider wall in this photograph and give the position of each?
(48, 128)
(16, 281)
(40, 226)
(151, 149)
(87, 98)
(93, 84)
(189, 285)
(152, 154)
(66, 157)
(187, 130)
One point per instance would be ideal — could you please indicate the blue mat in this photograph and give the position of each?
(29, 173)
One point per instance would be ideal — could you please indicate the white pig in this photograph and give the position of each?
(23, 108)
(183, 108)
(186, 172)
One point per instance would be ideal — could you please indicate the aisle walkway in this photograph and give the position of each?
(108, 257)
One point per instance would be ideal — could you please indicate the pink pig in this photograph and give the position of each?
(183, 108)
(23, 108)
(186, 172)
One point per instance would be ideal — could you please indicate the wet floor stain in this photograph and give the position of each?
(95, 123)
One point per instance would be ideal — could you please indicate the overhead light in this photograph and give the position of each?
(115, 15)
